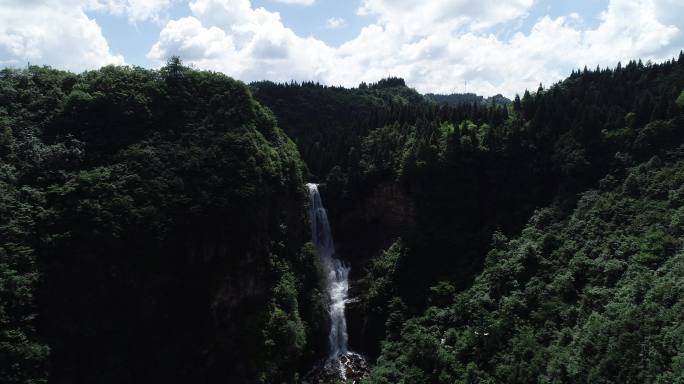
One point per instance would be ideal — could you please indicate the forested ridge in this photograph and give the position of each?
(154, 228)
(438, 186)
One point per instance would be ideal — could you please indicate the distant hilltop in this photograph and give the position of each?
(456, 99)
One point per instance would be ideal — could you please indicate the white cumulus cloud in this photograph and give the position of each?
(53, 32)
(426, 17)
(135, 10)
(335, 23)
(631, 28)
(296, 2)
(261, 47)
(435, 45)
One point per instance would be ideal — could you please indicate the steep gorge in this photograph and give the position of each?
(154, 228)
(419, 193)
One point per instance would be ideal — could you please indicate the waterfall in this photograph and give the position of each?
(336, 273)
(340, 364)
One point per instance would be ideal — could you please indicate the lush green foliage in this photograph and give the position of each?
(152, 228)
(154, 202)
(595, 297)
(328, 123)
(446, 179)
(456, 99)
(22, 355)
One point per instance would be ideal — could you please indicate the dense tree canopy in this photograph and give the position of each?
(447, 178)
(596, 296)
(152, 227)
(159, 205)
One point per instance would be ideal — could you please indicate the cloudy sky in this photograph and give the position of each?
(436, 45)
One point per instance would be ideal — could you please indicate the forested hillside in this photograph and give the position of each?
(153, 228)
(435, 184)
(456, 99)
(596, 296)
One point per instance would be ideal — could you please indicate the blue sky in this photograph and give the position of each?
(133, 40)
(435, 44)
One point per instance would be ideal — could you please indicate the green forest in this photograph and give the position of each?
(154, 228)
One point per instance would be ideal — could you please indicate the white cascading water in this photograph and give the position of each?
(337, 273)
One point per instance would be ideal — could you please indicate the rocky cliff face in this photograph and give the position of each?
(363, 229)
(374, 222)
(348, 368)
